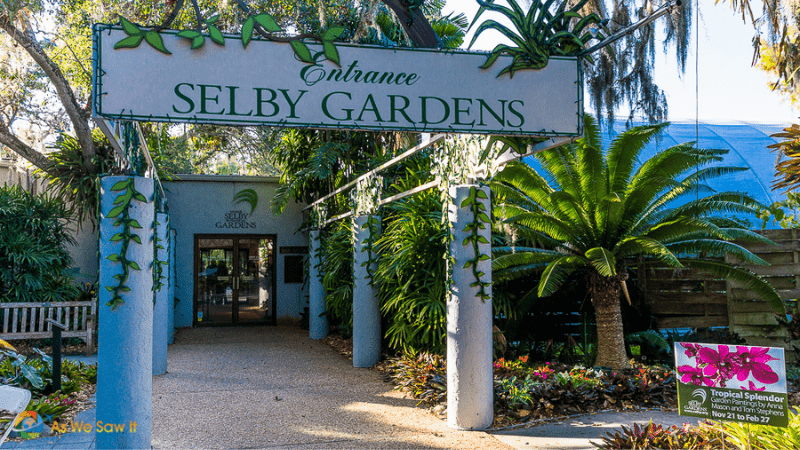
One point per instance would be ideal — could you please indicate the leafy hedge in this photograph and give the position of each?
(34, 262)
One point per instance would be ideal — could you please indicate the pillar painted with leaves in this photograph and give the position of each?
(125, 333)
(366, 307)
(470, 396)
(161, 296)
(317, 317)
(171, 292)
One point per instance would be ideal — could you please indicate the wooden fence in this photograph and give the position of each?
(691, 298)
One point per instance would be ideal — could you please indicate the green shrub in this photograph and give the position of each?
(34, 262)
(337, 251)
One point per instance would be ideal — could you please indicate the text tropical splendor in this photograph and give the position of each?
(341, 104)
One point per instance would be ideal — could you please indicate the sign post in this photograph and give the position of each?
(732, 383)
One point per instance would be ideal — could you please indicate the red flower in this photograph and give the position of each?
(721, 362)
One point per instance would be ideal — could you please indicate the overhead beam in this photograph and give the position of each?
(386, 165)
(665, 8)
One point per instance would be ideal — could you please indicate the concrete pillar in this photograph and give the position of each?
(366, 308)
(317, 319)
(125, 334)
(470, 401)
(161, 295)
(171, 291)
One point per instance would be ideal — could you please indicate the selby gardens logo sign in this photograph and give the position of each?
(298, 84)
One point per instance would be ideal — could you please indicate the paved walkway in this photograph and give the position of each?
(273, 388)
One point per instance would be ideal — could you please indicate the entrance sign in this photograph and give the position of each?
(374, 88)
(732, 383)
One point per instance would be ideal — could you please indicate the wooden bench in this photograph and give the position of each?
(27, 320)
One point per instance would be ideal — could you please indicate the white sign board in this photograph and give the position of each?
(375, 88)
(735, 383)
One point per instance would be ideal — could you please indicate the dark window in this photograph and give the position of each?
(293, 268)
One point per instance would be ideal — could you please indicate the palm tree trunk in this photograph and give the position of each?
(610, 340)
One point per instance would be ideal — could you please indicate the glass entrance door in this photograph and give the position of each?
(234, 280)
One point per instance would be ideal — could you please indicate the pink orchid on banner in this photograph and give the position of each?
(721, 363)
(753, 387)
(753, 360)
(694, 375)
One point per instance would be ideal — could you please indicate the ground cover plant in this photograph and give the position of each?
(527, 391)
(35, 372)
(707, 435)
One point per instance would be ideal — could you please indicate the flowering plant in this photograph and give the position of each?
(729, 366)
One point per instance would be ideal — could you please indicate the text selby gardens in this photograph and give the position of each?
(342, 106)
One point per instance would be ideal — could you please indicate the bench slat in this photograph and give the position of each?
(14, 321)
(6, 318)
(41, 319)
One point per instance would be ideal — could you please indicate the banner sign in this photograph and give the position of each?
(732, 382)
(374, 88)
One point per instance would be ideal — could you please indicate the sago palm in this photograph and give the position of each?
(594, 210)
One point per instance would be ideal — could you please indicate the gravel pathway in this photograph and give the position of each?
(272, 387)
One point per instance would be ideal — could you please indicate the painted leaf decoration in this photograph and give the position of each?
(333, 33)
(124, 289)
(120, 185)
(198, 42)
(113, 257)
(110, 288)
(140, 197)
(212, 19)
(330, 52)
(302, 51)
(129, 27)
(136, 239)
(134, 224)
(116, 237)
(269, 24)
(115, 211)
(216, 35)
(188, 34)
(134, 265)
(155, 41)
(247, 31)
(129, 42)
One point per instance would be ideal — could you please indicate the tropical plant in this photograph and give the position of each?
(597, 210)
(69, 180)
(337, 254)
(34, 261)
(543, 31)
(412, 270)
(787, 170)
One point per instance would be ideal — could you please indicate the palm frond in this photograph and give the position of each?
(557, 272)
(745, 277)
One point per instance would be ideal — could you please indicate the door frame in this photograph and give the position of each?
(272, 320)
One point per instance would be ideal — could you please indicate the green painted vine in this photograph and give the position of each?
(480, 219)
(121, 212)
(158, 265)
(262, 24)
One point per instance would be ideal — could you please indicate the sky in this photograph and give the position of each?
(730, 89)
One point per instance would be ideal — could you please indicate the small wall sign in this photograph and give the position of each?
(732, 383)
(235, 219)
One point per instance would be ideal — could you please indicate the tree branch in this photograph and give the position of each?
(77, 116)
(8, 139)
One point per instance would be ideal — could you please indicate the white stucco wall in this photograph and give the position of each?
(197, 203)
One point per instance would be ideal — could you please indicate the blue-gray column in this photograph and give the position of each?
(125, 334)
(160, 308)
(171, 292)
(317, 319)
(470, 401)
(366, 308)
